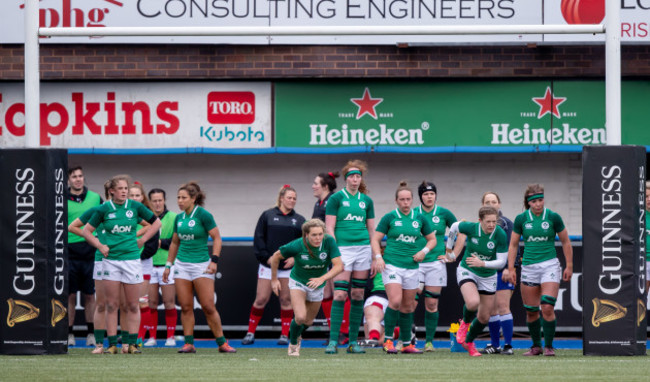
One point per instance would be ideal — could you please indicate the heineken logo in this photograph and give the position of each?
(530, 134)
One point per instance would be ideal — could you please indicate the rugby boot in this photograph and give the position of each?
(112, 350)
(389, 347)
(462, 332)
(549, 352)
(249, 339)
(411, 349)
(294, 350)
(331, 348)
(356, 349)
(187, 348)
(225, 348)
(134, 349)
(534, 350)
(471, 349)
(428, 347)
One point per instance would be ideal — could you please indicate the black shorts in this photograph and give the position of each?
(80, 276)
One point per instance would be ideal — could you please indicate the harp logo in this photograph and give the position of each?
(20, 311)
(606, 311)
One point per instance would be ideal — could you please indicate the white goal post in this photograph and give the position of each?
(612, 30)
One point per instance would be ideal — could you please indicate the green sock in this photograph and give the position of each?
(356, 313)
(431, 324)
(468, 315)
(221, 340)
(390, 320)
(474, 330)
(405, 324)
(535, 329)
(99, 336)
(336, 317)
(294, 332)
(112, 340)
(549, 332)
(189, 340)
(125, 336)
(304, 329)
(133, 338)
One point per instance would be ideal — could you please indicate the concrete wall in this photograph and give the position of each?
(240, 187)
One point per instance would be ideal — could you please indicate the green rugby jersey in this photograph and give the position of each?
(308, 266)
(484, 246)
(99, 231)
(352, 212)
(120, 222)
(403, 234)
(192, 230)
(538, 233)
(440, 219)
(76, 209)
(647, 236)
(377, 285)
(166, 232)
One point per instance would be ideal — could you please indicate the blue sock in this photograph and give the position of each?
(495, 326)
(508, 327)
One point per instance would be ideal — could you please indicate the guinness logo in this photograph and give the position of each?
(640, 308)
(20, 311)
(58, 311)
(606, 311)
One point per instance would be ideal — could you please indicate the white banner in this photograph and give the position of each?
(121, 13)
(635, 19)
(146, 117)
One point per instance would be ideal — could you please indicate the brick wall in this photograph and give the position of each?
(182, 62)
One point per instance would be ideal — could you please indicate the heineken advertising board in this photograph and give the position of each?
(514, 116)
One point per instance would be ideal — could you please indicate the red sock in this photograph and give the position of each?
(144, 321)
(286, 315)
(326, 305)
(153, 322)
(254, 319)
(374, 334)
(171, 318)
(396, 333)
(345, 324)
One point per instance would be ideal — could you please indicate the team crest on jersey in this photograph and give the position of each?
(528, 225)
(362, 204)
(191, 223)
(545, 225)
(323, 255)
(293, 221)
(111, 215)
(474, 240)
(129, 214)
(415, 225)
(398, 223)
(490, 245)
(435, 219)
(346, 203)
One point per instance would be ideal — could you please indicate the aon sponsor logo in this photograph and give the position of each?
(121, 228)
(406, 238)
(313, 266)
(354, 217)
(186, 237)
(537, 238)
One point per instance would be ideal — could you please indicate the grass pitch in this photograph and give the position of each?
(254, 364)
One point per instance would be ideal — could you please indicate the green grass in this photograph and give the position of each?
(314, 365)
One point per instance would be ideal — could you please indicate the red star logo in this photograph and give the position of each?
(367, 104)
(549, 104)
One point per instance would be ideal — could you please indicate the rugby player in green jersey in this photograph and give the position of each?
(399, 265)
(158, 198)
(122, 269)
(433, 272)
(194, 268)
(350, 219)
(99, 315)
(540, 268)
(312, 254)
(485, 253)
